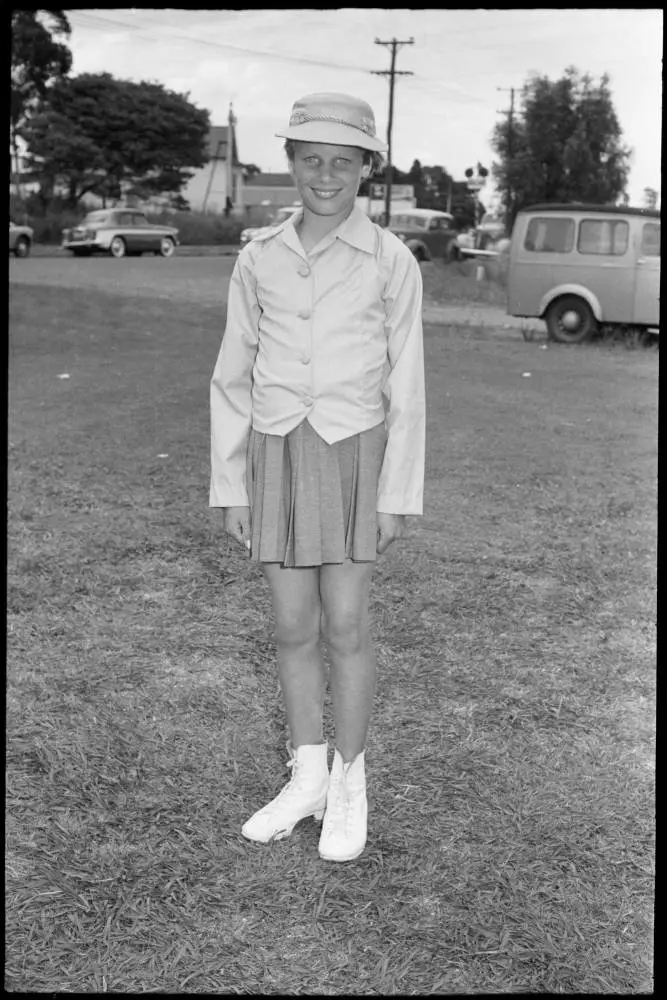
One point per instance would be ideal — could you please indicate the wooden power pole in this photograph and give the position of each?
(392, 73)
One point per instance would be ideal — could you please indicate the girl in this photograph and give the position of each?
(317, 448)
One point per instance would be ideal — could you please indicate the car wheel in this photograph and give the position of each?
(22, 248)
(570, 320)
(418, 253)
(118, 247)
(167, 246)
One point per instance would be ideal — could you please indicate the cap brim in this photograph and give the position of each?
(333, 134)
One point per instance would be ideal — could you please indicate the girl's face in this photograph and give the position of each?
(328, 177)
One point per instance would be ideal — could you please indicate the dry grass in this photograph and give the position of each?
(511, 753)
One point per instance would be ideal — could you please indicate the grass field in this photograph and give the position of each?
(511, 755)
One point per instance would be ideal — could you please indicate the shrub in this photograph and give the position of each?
(199, 229)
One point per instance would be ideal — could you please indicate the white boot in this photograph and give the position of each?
(304, 795)
(344, 830)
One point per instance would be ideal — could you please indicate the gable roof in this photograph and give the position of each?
(218, 141)
(271, 180)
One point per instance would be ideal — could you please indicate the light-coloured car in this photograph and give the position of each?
(119, 232)
(20, 239)
(427, 232)
(282, 215)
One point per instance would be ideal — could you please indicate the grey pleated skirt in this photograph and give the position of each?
(311, 502)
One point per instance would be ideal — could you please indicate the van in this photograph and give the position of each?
(583, 266)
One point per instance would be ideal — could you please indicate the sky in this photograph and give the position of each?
(444, 113)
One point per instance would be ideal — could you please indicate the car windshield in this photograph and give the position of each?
(95, 217)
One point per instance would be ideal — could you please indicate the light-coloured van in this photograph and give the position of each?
(580, 266)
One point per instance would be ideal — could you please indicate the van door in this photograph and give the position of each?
(646, 311)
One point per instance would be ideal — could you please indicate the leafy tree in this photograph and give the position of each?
(96, 133)
(251, 170)
(37, 59)
(564, 145)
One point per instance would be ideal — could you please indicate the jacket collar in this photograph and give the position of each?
(357, 230)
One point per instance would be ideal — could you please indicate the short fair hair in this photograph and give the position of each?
(375, 160)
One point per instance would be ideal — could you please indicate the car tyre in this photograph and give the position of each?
(22, 248)
(118, 247)
(570, 320)
(167, 246)
(418, 254)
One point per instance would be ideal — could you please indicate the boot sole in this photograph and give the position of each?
(283, 834)
(348, 857)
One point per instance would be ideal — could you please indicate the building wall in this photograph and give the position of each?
(215, 173)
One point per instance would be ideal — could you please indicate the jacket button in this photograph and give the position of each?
(307, 400)
(304, 272)
(304, 314)
(305, 360)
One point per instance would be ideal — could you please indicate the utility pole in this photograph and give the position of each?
(510, 136)
(391, 73)
(229, 180)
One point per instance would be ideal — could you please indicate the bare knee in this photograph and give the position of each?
(346, 635)
(296, 629)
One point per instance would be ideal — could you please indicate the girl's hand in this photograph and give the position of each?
(390, 527)
(237, 524)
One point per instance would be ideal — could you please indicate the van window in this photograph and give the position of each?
(651, 239)
(603, 236)
(550, 235)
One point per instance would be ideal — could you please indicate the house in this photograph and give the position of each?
(211, 185)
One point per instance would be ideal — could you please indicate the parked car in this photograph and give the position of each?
(577, 266)
(20, 239)
(119, 232)
(282, 215)
(428, 233)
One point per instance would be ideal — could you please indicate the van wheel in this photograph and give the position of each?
(570, 320)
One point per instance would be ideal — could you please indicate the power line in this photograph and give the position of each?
(392, 73)
(242, 50)
(110, 25)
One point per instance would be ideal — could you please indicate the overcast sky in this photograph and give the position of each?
(262, 60)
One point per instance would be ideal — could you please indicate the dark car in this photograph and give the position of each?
(20, 239)
(428, 233)
(119, 231)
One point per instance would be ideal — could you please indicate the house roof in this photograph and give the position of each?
(218, 141)
(271, 180)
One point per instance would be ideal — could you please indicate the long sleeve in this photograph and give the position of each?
(401, 486)
(231, 390)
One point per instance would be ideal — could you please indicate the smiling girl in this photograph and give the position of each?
(317, 448)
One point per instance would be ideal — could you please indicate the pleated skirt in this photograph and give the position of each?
(311, 502)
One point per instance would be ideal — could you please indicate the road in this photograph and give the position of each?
(204, 280)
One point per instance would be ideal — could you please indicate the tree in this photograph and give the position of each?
(111, 137)
(565, 144)
(37, 59)
(650, 197)
(251, 170)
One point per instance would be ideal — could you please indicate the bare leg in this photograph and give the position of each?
(344, 590)
(297, 610)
